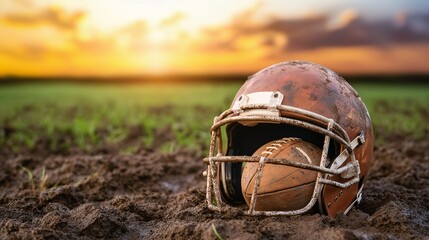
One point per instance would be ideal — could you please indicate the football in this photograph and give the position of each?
(282, 188)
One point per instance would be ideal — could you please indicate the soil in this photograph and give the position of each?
(154, 195)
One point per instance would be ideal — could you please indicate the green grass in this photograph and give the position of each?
(88, 116)
(397, 109)
(62, 117)
(218, 236)
(42, 180)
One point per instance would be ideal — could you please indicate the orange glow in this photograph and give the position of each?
(41, 39)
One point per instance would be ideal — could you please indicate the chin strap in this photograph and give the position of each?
(344, 155)
(355, 202)
(359, 140)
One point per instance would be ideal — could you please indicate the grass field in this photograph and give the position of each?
(66, 116)
(124, 161)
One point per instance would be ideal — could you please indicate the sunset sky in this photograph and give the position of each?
(132, 37)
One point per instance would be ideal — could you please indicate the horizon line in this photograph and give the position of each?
(200, 78)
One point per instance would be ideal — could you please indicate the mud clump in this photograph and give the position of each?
(153, 195)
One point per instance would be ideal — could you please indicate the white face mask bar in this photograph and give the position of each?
(216, 156)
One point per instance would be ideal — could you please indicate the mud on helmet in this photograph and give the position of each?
(292, 100)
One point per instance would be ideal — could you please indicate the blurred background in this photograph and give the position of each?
(122, 76)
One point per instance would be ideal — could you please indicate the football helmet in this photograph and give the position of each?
(299, 100)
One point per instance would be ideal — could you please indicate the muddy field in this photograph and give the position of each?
(154, 195)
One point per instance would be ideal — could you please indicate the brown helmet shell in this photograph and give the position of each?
(318, 89)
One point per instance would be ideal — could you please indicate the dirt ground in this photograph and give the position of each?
(151, 195)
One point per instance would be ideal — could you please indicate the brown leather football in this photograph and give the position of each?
(282, 188)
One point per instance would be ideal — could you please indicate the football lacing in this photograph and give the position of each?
(270, 149)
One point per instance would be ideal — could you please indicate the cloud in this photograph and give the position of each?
(54, 16)
(137, 29)
(31, 51)
(24, 3)
(348, 16)
(319, 31)
(227, 37)
(66, 39)
(95, 45)
(172, 20)
(358, 32)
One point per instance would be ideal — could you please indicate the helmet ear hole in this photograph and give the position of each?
(230, 183)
